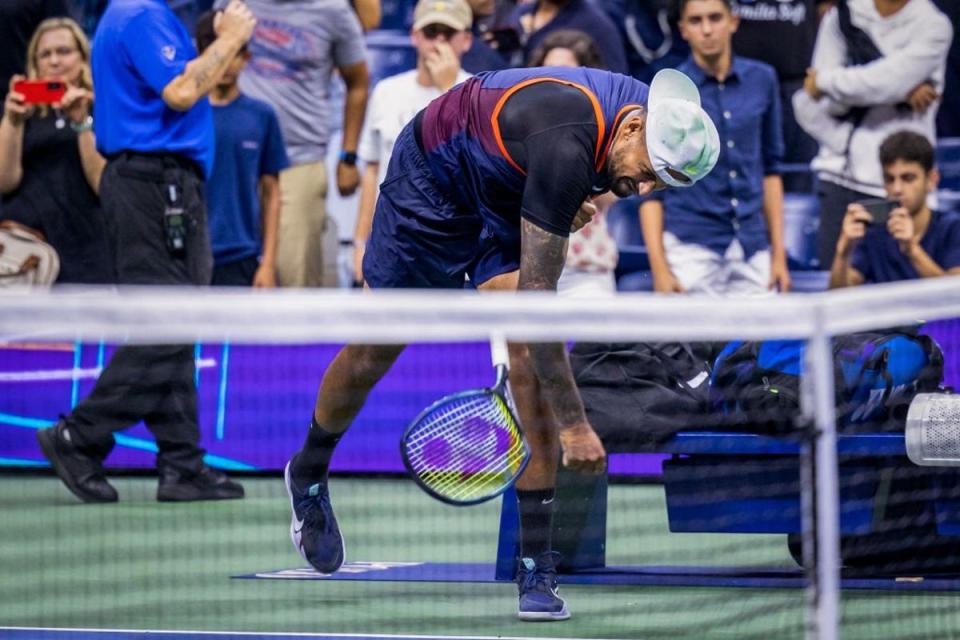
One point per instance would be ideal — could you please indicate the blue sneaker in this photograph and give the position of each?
(537, 583)
(313, 527)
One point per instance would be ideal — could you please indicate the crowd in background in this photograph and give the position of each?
(804, 93)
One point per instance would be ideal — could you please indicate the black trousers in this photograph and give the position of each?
(152, 383)
(833, 206)
(236, 274)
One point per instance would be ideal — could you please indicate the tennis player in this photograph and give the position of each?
(487, 182)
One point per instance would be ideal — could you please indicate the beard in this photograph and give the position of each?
(623, 187)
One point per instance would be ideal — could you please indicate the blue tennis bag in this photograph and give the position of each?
(876, 375)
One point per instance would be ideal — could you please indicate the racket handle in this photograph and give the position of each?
(498, 350)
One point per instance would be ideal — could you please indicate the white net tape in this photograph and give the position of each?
(154, 314)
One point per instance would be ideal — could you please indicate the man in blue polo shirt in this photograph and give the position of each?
(153, 124)
(914, 242)
(724, 235)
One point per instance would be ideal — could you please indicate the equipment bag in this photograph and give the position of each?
(638, 395)
(25, 259)
(876, 375)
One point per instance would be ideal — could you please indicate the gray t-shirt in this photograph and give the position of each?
(294, 49)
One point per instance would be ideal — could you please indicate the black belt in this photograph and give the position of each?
(163, 160)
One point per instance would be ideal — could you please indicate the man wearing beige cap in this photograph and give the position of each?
(441, 35)
(488, 181)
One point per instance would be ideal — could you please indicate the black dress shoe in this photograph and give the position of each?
(82, 474)
(205, 484)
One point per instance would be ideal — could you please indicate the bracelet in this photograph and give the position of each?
(81, 127)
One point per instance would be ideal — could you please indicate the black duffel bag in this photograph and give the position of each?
(638, 395)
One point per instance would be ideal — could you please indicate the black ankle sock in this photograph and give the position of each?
(536, 521)
(313, 460)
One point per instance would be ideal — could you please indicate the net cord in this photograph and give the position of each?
(151, 315)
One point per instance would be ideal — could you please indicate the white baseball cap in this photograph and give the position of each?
(681, 138)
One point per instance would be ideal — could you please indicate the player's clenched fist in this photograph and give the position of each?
(582, 449)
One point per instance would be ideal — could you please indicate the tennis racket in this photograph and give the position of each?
(467, 447)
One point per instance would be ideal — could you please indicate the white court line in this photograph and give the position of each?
(268, 634)
(46, 375)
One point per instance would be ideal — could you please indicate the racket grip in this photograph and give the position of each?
(498, 350)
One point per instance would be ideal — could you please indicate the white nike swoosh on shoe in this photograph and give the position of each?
(297, 539)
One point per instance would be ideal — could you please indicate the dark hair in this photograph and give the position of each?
(682, 6)
(584, 48)
(204, 32)
(909, 147)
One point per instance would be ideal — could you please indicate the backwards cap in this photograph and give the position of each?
(681, 138)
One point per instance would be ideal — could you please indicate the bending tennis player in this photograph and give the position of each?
(487, 181)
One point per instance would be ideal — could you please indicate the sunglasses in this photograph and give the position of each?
(434, 31)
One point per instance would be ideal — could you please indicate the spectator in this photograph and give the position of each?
(567, 48)
(294, 52)
(872, 75)
(495, 41)
(441, 35)
(915, 242)
(781, 33)
(88, 12)
(649, 32)
(369, 13)
(535, 20)
(244, 189)
(591, 252)
(43, 147)
(153, 122)
(948, 116)
(19, 20)
(725, 234)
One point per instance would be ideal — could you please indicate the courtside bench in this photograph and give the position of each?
(719, 482)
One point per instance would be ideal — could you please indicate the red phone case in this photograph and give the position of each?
(40, 91)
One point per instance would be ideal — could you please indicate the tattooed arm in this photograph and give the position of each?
(234, 26)
(541, 261)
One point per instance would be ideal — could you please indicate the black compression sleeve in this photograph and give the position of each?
(550, 130)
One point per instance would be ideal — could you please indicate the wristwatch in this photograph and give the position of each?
(348, 158)
(86, 125)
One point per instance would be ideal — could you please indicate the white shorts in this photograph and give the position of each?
(577, 283)
(703, 271)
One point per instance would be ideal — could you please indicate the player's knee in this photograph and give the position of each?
(371, 362)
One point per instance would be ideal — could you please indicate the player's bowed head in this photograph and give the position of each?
(671, 143)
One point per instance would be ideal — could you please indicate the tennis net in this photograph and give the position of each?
(733, 496)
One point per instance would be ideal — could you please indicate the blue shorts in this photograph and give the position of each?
(421, 238)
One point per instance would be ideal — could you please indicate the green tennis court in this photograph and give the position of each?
(139, 564)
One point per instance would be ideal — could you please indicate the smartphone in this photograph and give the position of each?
(879, 208)
(40, 91)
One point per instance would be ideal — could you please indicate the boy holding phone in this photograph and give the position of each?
(913, 241)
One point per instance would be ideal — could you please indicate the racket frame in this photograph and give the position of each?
(498, 390)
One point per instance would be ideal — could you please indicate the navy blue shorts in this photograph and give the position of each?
(421, 238)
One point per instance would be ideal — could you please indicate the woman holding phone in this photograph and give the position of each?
(49, 166)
